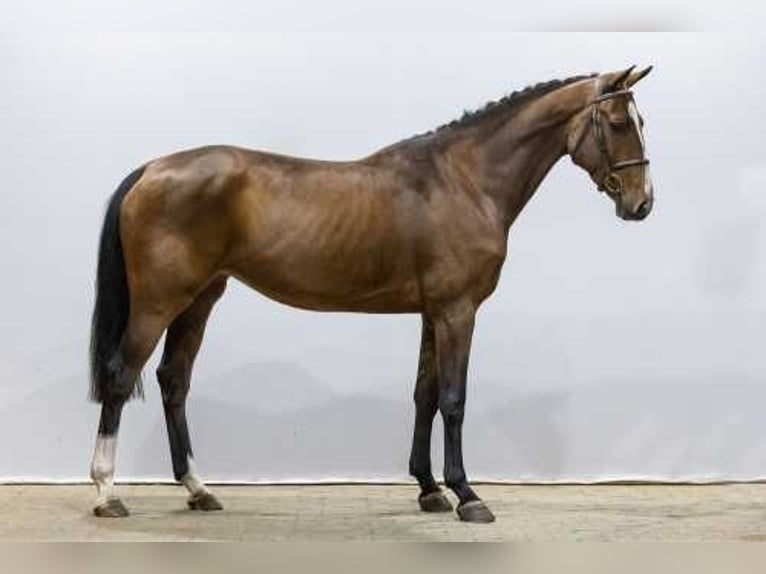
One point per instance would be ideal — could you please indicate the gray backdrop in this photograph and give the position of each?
(610, 350)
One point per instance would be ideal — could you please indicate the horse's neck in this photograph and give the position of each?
(512, 156)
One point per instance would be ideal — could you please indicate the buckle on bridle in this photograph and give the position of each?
(611, 184)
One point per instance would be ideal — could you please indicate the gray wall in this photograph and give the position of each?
(610, 350)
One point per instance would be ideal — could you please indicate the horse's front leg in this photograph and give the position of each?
(453, 329)
(431, 497)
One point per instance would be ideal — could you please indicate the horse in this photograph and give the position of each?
(420, 226)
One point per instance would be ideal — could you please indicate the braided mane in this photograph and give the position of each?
(508, 102)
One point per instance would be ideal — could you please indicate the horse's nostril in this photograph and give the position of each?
(643, 208)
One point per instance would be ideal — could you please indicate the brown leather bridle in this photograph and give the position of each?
(611, 182)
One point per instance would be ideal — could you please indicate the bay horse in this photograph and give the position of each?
(420, 226)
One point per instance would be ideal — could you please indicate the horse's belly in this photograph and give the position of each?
(311, 285)
(334, 246)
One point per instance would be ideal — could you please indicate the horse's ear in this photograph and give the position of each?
(617, 80)
(636, 76)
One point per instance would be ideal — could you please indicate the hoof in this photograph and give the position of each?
(475, 511)
(204, 501)
(434, 502)
(112, 508)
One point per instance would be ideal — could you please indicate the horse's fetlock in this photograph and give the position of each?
(419, 469)
(455, 481)
(100, 470)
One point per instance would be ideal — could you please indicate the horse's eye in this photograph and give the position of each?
(620, 124)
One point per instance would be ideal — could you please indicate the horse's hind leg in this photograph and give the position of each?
(182, 343)
(143, 331)
(431, 497)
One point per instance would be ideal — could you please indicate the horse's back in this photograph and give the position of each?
(377, 235)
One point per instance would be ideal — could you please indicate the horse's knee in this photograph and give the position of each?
(426, 397)
(452, 408)
(425, 409)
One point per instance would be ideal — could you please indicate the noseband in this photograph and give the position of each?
(611, 182)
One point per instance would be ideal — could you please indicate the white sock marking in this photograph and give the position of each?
(102, 467)
(192, 481)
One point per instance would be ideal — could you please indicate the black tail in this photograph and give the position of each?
(110, 313)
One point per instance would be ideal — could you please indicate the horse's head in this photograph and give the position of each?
(606, 140)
